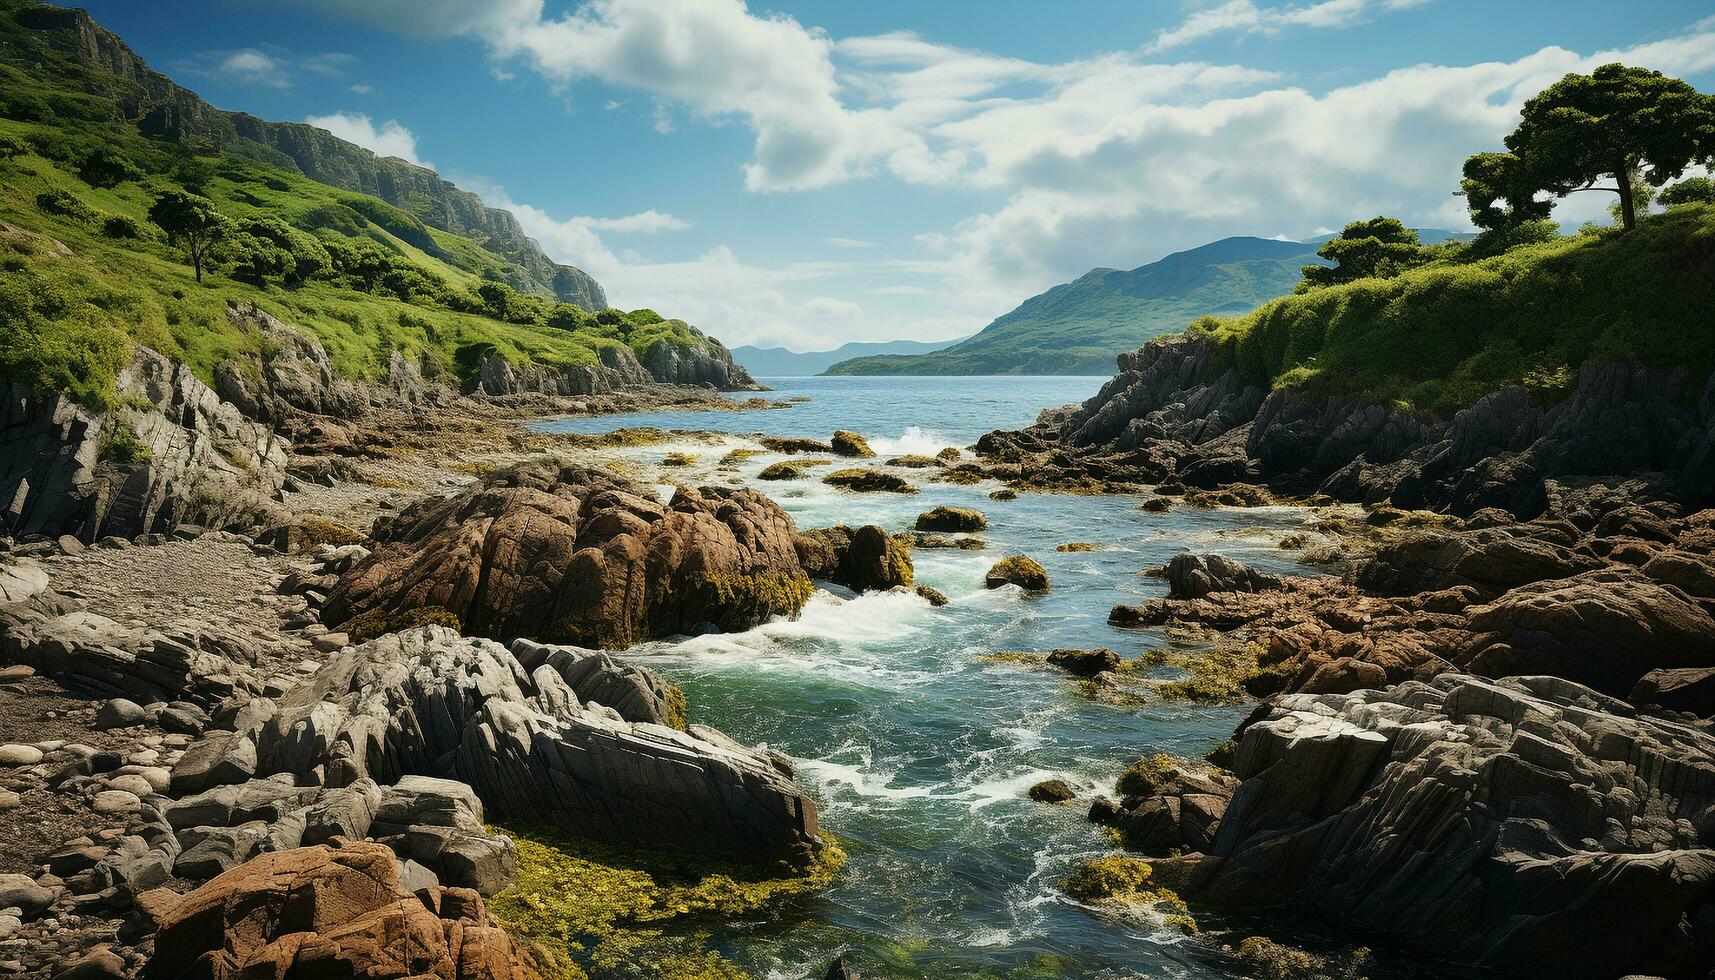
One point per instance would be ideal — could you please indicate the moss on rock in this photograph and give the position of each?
(1020, 570)
(379, 622)
(867, 481)
(851, 444)
(951, 519)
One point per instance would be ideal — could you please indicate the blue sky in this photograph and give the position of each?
(810, 173)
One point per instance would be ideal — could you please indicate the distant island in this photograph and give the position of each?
(778, 362)
(1081, 326)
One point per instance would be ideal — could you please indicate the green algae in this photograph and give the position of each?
(585, 906)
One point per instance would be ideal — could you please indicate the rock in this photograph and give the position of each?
(118, 713)
(216, 759)
(429, 701)
(951, 519)
(338, 913)
(1195, 576)
(636, 693)
(1018, 570)
(935, 597)
(114, 801)
(1685, 689)
(416, 801)
(1052, 791)
(183, 718)
(838, 970)
(962, 542)
(20, 891)
(21, 579)
(783, 470)
(1003, 493)
(344, 812)
(846, 443)
(1530, 808)
(135, 785)
(575, 555)
(1085, 663)
(868, 481)
(867, 559)
(100, 963)
(19, 755)
(218, 850)
(330, 642)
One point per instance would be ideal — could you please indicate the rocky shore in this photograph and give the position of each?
(238, 687)
(1491, 731)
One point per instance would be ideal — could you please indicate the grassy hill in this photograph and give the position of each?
(1441, 336)
(84, 274)
(1078, 327)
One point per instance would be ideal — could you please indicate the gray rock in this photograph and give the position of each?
(1195, 576)
(425, 800)
(214, 760)
(119, 713)
(218, 850)
(19, 755)
(345, 812)
(20, 891)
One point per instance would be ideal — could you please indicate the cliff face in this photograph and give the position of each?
(162, 108)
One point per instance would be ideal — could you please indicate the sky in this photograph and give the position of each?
(804, 174)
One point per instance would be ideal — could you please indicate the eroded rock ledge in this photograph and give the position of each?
(1484, 822)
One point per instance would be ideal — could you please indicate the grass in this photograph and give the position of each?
(1440, 337)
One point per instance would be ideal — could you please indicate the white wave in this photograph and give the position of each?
(859, 779)
(914, 441)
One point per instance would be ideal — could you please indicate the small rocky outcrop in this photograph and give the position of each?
(338, 911)
(570, 554)
(864, 560)
(536, 749)
(295, 377)
(954, 519)
(1195, 576)
(704, 362)
(170, 453)
(1020, 570)
(850, 444)
(1485, 821)
(1084, 663)
(868, 481)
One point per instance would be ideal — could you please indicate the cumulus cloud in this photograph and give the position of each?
(838, 242)
(642, 223)
(390, 139)
(251, 67)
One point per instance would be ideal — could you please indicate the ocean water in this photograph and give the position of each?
(918, 753)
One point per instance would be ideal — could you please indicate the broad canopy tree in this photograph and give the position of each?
(1587, 129)
(191, 222)
(1381, 247)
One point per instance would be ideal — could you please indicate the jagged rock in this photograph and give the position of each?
(1052, 791)
(172, 454)
(704, 362)
(637, 694)
(571, 554)
(334, 912)
(343, 812)
(954, 519)
(1490, 560)
(429, 701)
(1195, 576)
(861, 480)
(867, 559)
(1685, 689)
(1084, 663)
(213, 851)
(296, 376)
(1485, 821)
(20, 580)
(497, 376)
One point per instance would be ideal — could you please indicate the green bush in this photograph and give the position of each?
(64, 203)
(119, 226)
(107, 167)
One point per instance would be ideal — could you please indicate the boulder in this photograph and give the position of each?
(431, 702)
(575, 555)
(119, 713)
(1195, 576)
(1085, 663)
(1052, 791)
(1484, 821)
(860, 480)
(954, 519)
(850, 444)
(1019, 570)
(340, 913)
(867, 559)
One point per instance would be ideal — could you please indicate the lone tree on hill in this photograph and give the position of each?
(1381, 246)
(1585, 129)
(191, 222)
(1692, 190)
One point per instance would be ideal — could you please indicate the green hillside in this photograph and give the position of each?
(1078, 327)
(1440, 336)
(84, 274)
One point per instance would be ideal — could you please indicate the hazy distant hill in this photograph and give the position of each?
(778, 362)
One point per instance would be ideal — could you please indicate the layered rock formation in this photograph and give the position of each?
(571, 554)
(1481, 822)
(170, 452)
(431, 702)
(1178, 411)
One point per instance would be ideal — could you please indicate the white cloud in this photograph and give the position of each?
(831, 306)
(390, 139)
(252, 67)
(642, 223)
(838, 242)
(363, 88)
(1243, 17)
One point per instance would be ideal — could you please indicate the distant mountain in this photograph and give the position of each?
(778, 362)
(1078, 327)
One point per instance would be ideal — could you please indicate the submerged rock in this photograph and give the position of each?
(868, 481)
(956, 519)
(571, 554)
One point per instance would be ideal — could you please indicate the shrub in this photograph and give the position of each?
(12, 146)
(64, 203)
(122, 446)
(107, 167)
(119, 226)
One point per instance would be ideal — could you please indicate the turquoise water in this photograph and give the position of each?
(920, 755)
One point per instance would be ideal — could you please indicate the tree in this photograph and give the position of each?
(190, 222)
(1500, 194)
(1381, 247)
(1692, 190)
(1585, 129)
(107, 167)
(1643, 195)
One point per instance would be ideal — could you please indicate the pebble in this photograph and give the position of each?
(143, 757)
(70, 545)
(9, 800)
(19, 755)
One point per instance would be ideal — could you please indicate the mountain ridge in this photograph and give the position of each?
(780, 362)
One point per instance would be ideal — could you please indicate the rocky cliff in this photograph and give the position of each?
(162, 108)
(1179, 411)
